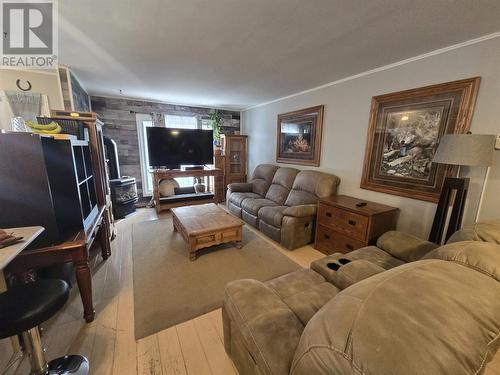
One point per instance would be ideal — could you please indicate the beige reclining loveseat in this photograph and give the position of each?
(281, 202)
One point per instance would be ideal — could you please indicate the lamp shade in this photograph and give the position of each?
(465, 150)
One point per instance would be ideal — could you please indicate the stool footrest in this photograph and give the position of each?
(69, 365)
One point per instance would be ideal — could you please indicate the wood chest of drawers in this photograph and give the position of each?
(344, 224)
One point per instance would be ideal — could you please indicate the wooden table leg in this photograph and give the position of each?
(239, 238)
(191, 242)
(84, 280)
(104, 239)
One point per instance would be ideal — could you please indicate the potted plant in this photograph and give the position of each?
(216, 118)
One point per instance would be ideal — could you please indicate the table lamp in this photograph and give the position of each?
(472, 150)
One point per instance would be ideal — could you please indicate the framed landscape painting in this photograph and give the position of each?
(299, 136)
(403, 134)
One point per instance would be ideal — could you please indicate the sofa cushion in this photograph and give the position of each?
(262, 178)
(235, 210)
(270, 230)
(281, 185)
(238, 198)
(311, 185)
(304, 291)
(253, 206)
(481, 256)
(272, 215)
(303, 210)
(487, 231)
(404, 246)
(425, 317)
(269, 329)
(253, 220)
(375, 255)
(242, 187)
(353, 272)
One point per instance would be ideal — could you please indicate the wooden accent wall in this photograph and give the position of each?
(119, 117)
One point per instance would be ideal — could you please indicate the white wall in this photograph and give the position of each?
(42, 81)
(347, 108)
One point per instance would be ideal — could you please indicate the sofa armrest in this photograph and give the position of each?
(303, 210)
(404, 246)
(269, 330)
(242, 187)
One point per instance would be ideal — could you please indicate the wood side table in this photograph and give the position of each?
(345, 223)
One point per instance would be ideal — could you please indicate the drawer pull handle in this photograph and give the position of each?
(329, 214)
(327, 236)
(352, 222)
(350, 247)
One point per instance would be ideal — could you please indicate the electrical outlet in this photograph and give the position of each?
(497, 143)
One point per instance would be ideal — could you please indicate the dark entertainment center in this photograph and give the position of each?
(47, 182)
(61, 184)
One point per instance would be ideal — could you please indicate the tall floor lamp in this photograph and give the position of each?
(472, 150)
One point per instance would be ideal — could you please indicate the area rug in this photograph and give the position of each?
(170, 289)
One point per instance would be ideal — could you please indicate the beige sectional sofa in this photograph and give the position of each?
(281, 201)
(403, 307)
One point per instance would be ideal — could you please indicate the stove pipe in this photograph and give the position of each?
(112, 156)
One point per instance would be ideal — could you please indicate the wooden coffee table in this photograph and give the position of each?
(206, 225)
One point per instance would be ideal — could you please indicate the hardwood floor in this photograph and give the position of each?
(194, 347)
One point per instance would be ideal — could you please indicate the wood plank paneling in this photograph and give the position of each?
(119, 117)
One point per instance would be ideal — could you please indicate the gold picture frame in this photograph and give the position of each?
(299, 136)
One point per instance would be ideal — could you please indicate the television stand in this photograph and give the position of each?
(162, 204)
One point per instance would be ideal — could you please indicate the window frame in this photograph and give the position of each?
(140, 118)
(181, 126)
(147, 188)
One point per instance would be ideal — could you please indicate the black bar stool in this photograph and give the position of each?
(23, 308)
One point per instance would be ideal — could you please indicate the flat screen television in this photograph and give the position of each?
(171, 148)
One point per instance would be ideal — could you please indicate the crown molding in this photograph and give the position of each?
(385, 67)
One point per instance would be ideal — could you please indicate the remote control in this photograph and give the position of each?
(361, 204)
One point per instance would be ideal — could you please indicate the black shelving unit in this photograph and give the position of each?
(46, 182)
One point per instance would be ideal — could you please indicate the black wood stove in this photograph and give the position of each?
(123, 188)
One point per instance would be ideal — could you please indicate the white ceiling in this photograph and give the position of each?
(239, 53)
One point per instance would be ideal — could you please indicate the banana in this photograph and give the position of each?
(56, 130)
(52, 126)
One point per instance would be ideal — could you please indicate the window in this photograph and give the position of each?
(171, 121)
(143, 121)
(181, 122)
(207, 124)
